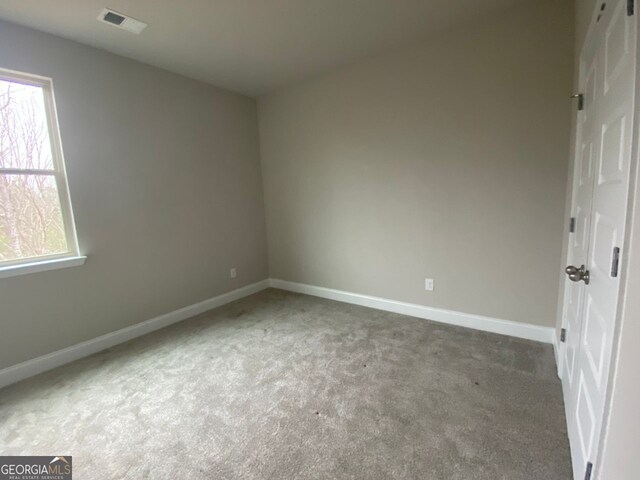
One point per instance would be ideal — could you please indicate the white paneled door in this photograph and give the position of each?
(599, 208)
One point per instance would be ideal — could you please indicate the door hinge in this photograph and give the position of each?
(631, 7)
(563, 335)
(615, 261)
(572, 224)
(602, 7)
(580, 98)
(587, 474)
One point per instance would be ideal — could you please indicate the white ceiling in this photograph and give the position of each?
(249, 46)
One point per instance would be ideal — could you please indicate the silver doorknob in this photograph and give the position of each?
(576, 274)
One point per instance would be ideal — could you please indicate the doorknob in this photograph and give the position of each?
(577, 274)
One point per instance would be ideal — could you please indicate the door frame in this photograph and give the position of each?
(633, 197)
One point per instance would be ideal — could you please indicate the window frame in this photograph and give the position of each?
(58, 172)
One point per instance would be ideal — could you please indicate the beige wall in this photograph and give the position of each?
(165, 182)
(446, 160)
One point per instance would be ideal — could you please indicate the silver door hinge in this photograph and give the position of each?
(602, 7)
(572, 224)
(563, 335)
(580, 98)
(615, 261)
(587, 474)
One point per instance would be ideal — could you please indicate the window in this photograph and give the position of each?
(36, 221)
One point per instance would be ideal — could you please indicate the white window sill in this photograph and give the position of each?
(41, 266)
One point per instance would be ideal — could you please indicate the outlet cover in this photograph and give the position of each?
(232, 273)
(428, 284)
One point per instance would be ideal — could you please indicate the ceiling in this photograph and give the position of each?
(249, 46)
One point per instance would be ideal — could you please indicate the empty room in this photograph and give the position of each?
(319, 239)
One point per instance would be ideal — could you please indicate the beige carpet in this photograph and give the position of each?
(285, 386)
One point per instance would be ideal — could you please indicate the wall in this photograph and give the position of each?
(165, 182)
(445, 160)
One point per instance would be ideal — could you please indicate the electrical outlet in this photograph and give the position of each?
(232, 273)
(428, 284)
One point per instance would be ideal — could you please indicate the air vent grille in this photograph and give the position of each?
(122, 21)
(114, 18)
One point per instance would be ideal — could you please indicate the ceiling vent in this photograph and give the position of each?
(121, 21)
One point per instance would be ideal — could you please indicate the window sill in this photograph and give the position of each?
(41, 266)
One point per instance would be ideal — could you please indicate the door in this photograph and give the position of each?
(601, 188)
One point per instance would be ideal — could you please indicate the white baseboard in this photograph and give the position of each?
(477, 322)
(52, 360)
(41, 364)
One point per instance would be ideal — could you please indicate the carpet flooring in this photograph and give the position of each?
(286, 386)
